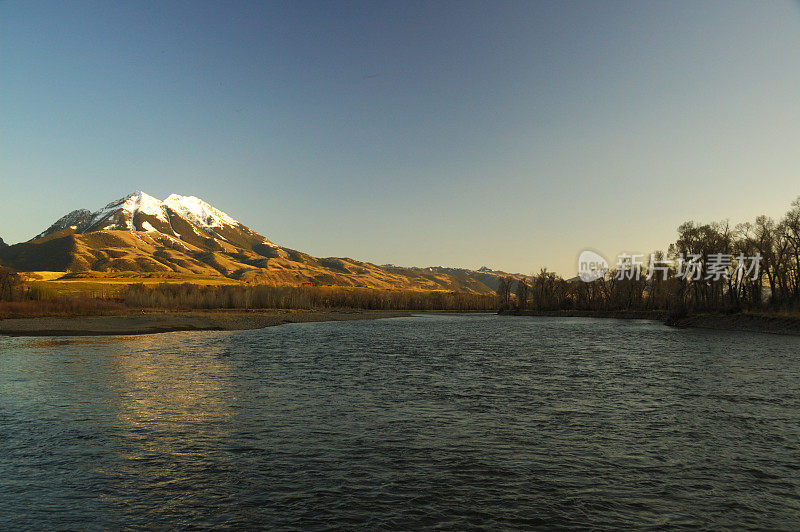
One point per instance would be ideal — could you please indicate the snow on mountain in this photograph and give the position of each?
(198, 212)
(186, 218)
(129, 206)
(145, 204)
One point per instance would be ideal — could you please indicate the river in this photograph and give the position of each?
(448, 421)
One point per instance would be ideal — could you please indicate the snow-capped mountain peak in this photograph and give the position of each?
(140, 211)
(120, 214)
(184, 235)
(144, 204)
(198, 212)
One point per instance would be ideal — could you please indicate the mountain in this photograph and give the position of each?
(186, 235)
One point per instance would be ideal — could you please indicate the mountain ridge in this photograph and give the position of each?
(186, 235)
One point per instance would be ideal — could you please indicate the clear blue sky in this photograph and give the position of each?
(509, 134)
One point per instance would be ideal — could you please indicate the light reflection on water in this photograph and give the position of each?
(451, 421)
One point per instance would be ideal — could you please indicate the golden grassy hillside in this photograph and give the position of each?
(176, 250)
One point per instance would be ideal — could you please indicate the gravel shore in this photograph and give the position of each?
(149, 322)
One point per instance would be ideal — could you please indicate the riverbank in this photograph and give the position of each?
(157, 321)
(658, 315)
(787, 324)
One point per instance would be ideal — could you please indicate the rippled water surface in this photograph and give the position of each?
(445, 421)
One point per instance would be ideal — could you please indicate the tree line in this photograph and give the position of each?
(749, 266)
(19, 298)
(191, 296)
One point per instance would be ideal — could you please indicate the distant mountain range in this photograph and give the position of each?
(186, 235)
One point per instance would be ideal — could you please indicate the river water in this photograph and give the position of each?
(448, 421)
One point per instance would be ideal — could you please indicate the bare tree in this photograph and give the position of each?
(504, 292)
(522, 294)
(10, 282)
